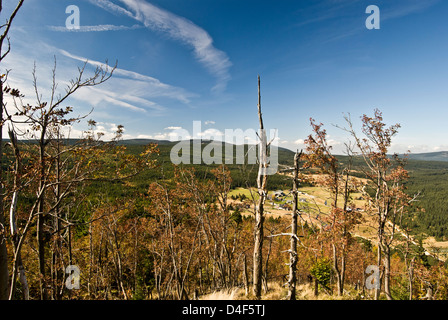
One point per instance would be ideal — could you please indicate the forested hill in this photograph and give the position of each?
(427, 176)
(285, 156)
(430, 156)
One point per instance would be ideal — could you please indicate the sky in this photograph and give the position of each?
(183, 61)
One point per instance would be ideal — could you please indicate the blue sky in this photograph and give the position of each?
(182, 61)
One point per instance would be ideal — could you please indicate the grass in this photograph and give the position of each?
(229, 294)
(277, 291)
(244, 191)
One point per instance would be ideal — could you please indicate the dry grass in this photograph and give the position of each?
(306, 292)
(229, 294)
(275, 292)
(278, 292)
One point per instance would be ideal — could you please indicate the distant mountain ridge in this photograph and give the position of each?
(426, 156)
(441, 156)
(429, 156)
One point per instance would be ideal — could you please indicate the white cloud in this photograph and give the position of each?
(151, 86)
(411, 7)
(209, 122)
(143, 136)
(155, 136)
(111, 7)
(211, 134)
(173, 128)
(98, 28)
(333, 143)
(417, 148)
(126, 89)
(216, 61)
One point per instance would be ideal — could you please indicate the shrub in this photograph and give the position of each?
(321, 271)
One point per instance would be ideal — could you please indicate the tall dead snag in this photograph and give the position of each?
(292, 278)
(259, 208)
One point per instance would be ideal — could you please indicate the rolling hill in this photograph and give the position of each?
(430, 156)
(428, 176)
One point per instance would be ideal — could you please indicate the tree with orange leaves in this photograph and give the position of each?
(342, 217)
(385, 192)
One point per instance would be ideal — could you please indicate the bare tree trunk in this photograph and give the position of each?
(339, 271)
(58, 271)
(245, 276)
(343, 263)
(265, 271)
(258, 253)
(336, 270)
(117, 260)
(387, 273)
(410, 267)
(40, 220)
(259, 210)
(292, 278)
(17, 261)
(378, 288)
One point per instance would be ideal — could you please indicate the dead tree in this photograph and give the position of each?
(259, 208)
(292, 279)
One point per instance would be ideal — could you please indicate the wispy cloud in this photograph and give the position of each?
(98, 28)
(140, 84)
(111, 7)
(352, 25)
(411, 7)
(127, 90)
(322, 11)
(179, 28)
